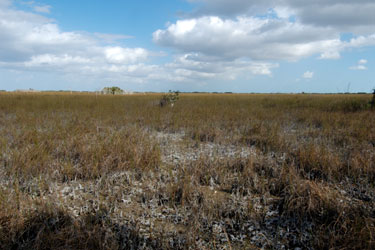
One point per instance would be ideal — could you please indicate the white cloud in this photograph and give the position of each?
(271, 30)
(334, 54)
(119, 55)
(42, 8)
(32, 42)
(308, 75)
(283, 11)
(250, 37)
(198, 65)
(360, 65)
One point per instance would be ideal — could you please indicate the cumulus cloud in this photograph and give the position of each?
(308, 75)
(195, 66)
(24, 34)
(119, 55)
(361, 65)
(251, 37)
(271, 30)
(32, 42)
(48, 59)
(333, 54)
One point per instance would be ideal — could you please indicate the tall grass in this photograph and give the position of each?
(312, 165)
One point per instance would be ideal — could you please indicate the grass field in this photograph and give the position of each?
(232, 171)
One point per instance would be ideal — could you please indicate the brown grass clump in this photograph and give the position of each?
(48, 228)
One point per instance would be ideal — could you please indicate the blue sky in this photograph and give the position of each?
(188, 45)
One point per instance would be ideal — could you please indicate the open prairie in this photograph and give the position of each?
(215, 171)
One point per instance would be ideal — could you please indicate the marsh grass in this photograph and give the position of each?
(312, 172)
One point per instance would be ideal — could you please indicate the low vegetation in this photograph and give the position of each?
(112, 90)
(223, 171)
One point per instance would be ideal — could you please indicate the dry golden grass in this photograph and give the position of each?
(234, 171)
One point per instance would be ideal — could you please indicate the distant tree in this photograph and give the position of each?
(112, 90)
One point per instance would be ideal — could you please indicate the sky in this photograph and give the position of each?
(269, 46)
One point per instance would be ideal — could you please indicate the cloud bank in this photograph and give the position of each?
(249, 37)
(33, 42)
(272, 29)
(345, 16)
(219, 40)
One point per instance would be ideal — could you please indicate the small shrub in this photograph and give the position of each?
(169, 99)
(112, 90)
